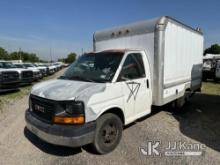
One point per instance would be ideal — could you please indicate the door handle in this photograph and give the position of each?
(147, 83)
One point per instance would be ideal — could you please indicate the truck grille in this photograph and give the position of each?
(10, 76)
(42, 108)
(27, 74)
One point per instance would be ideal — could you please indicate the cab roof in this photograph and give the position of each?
(115, 51)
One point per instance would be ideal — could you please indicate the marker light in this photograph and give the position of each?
(69, 120)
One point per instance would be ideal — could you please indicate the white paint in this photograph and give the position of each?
(139, 103)
(173, 90)
(183, 50)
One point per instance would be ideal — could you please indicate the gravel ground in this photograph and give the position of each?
(198, 124)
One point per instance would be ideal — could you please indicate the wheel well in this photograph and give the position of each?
(188, 89)
(118, 112)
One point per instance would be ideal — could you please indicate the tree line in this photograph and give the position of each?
(18, 55)
(213, 49)
(31, 57)
(71, 57)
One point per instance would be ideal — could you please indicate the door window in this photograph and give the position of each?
(133, 68)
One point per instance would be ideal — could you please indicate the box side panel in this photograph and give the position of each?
(183, 52)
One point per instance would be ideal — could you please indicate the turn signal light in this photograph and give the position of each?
(69, 120)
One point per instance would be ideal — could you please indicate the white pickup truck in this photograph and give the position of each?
(9, 80)
(25, 75)
(132, 68)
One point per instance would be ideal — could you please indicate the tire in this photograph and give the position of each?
(108, 133)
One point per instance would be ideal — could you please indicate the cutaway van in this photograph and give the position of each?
(132, 68)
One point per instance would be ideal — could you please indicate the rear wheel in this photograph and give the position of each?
(108, 133)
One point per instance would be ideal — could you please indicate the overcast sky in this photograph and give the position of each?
(68, 25)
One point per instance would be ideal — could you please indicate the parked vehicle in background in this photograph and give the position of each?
(42, 70)
(133, 67)
(52, 68)
(9, 80)
(65, 65)
(36, 72)
(217, 73)
(59, 65)
(25, 75)
(211, 67)
(45, 66)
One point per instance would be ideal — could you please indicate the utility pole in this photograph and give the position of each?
(50, 56)
(19, 53)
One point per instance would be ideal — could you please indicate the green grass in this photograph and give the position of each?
(211, 88)
(10, 97)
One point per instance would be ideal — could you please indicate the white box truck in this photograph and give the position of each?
(132, 68)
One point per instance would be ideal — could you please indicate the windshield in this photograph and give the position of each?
(7, 65)
(19, 66)
(94, 67)
(29, 65)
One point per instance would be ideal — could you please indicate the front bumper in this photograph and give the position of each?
(63, 135)
(27, 80)
(37, 76)
(4, 87)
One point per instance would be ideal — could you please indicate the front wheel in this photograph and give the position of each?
(108, 133)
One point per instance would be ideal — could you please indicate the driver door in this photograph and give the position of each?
(136, 86)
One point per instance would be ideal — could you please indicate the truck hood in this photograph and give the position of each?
(41, 67)
(18, 69)
(1, 69)
(65, 89)
(33, 68)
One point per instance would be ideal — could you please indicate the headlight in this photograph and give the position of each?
(30, 104)
(74, 113)
(75, 108)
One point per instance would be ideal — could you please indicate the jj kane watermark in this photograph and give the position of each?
(154, 148)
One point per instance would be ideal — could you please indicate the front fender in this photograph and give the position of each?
(93, 112)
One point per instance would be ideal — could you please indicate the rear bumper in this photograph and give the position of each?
(64, 135)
